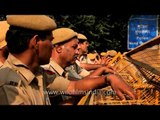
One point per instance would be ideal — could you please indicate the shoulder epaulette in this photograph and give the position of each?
(9, 76)
(49, 76)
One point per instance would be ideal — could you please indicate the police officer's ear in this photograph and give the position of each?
(58, 48)
(34, 42)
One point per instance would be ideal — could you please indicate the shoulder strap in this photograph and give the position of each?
(10, 77)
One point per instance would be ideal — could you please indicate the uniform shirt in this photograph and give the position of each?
(81, 71)
(19, 86)
(75, 71)
(60, 83)
(85, 59)
(72, 74)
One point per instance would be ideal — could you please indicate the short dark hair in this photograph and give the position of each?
(18, 38)
(81, 40)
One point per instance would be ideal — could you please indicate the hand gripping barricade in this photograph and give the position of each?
(140, 68)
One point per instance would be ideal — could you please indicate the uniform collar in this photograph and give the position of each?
(77, 62)
(56, 67)
(20, 67)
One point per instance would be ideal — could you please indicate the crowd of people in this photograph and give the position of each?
(42, 64)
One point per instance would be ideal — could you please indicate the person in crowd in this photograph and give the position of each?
(23, 81)
(64, 53)
(82, 60)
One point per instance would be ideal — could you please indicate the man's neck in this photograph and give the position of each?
(30, 61)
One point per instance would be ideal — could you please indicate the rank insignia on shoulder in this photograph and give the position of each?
(49, 76)
(13, 83)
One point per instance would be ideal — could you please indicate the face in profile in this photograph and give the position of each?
(44, 51)
(70, 51)
(84, 46)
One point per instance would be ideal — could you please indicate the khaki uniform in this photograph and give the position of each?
(75, 71)
(72, 72)
(82, 72)
(19, 86)
(60, 83)
(85, 59)
(62, 78)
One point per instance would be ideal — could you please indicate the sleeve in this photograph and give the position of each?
(59, 83)
(10, 95)
(77, 68)
(84, 73)
(81, 71)
(9, 87)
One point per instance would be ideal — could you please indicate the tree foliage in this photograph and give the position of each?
(103, 32)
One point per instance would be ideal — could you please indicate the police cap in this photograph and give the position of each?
(33, 22)
(91, 56)
(63, 34)
(111, 53)
(81, 36)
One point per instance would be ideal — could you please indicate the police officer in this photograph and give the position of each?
(64, 53)
(3, 48)
(22, 80)
(76, 71)
(83, 61)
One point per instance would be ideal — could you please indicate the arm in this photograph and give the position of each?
(121, 87)
(116, 82)
(89, 67)
(10, 96)
(91, 83)
(87, 83)
(101, 71)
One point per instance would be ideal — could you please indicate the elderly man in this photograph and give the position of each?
(22, 80)
(64, 53)
(3, 48)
